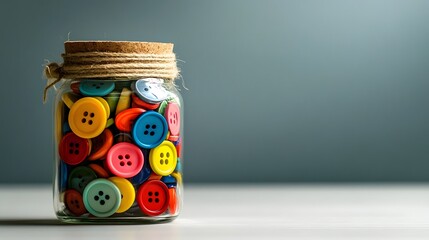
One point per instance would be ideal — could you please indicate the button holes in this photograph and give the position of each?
(100, 193)
(157, 194)
(122, 196)
(96, 198)
(85, 114)
(147, 126)
(153, 126)
(122, 163)
(107, 197)
(174, 121)
(102, 202)
(79, 176)
(171, 120)
(101, 83)
(76, 144)
(149, 200)
(94, 84)
(161, 155)
(71, 151)
(71, 144)
(120, 157)
(146, 89)
(156, 200)
(161, 161)
(76, 152)
(90, 122)
(129, 163)
(168, 154)
(127, 156)
(166, 161)
(150, 193)
(83, 120)
(152, 133)
(146, 132)
(91, 115)
(98, 87)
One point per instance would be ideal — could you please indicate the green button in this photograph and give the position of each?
(112, 99)
(80, 177)
(101, 198)
(162, 106)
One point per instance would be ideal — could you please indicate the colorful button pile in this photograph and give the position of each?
(119, 148)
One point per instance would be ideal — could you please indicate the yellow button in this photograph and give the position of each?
(128, 193)
(124, 100)
(163, 159)
(105, 104)
(87, 117)
(59, 122)
(178, 177)
(69, 98)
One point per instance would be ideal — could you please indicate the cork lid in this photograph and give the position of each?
(118, 47)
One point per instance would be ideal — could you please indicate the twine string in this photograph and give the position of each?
(109, 65)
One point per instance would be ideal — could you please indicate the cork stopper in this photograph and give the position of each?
(118, 47)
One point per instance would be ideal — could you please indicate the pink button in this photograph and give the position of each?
(172, 114)
(125, 160)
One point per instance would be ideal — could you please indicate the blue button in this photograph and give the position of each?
(150, 130)
(66, 128)
(150, 90)
(169, 181)
(178, 166)
(96, 87)
(142, 176)
(64, 171)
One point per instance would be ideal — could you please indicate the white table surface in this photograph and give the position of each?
(242, 212)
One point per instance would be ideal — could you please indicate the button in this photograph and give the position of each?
(178, 145)
(110, 122)
(150, 90)
(105, 105)
(66, 128)
(172, 115)
(178, 166)
(96, 87)
(59, 113)
(100, 171)
(143, 104)
(173, 138)
(149, 130)
(163, 159)
(123, 137)
(125, 119)
(172, 204)
(87, 117)
(153, 197)
(74, 203)
(125, 160)
(162, 106)
(63, 170)
(101, 198)
(154, 176)
(80, 177)
(142, 176)
(69, 99)
(73, 149)
(101, 145)
(112, 99)
(128, 194)
(169, 181)
(124, 101)
(75, 87)
(178, 177)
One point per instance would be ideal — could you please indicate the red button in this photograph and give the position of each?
(74, 203)
(73, 149)
(172, 204)
(125, 119)
(143, 104)
(75, 87)
(153, 198)
(125, 160)
(101, 145)
(179, 148)
(172, 114)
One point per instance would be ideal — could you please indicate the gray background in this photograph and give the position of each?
(288, 91)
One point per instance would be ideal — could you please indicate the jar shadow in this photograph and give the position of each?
(30, 222)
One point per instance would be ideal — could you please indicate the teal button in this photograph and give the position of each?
(96, 87)
(101, 198)
(80, 177)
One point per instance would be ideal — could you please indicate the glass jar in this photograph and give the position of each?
(118, 150)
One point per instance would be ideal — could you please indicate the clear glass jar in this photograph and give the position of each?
(118, 151)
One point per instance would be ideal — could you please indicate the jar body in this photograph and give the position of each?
(118, 151)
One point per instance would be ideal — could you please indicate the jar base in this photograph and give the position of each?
(116, 220)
